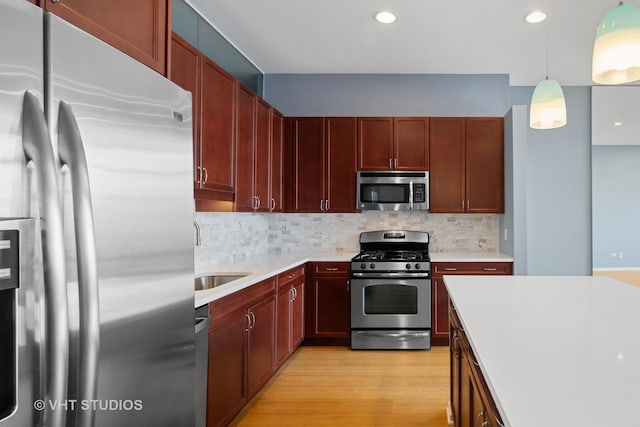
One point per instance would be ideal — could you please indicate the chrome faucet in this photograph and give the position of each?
(197, 227)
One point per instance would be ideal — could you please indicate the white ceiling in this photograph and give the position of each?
(429, 37)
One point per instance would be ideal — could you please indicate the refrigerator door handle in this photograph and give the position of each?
(38, 150)
(71, 153)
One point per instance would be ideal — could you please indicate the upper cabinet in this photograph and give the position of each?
(323, 154)
(276, 173)
(393, 143)
(466, 165)
(213, 96)
(140, 28)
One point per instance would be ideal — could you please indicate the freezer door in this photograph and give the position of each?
(135, 130)
(21, 57)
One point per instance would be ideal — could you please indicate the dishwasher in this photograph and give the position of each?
(202, 320)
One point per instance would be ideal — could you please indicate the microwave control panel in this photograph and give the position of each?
(419, 193)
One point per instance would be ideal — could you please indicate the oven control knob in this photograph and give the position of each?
(417, 266)
(408, 266)
(363, 266)
(372, 266)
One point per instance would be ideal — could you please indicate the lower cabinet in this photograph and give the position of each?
(470, 399)
(328, 307)
(241, 349)
(440, 296)
(290, 313)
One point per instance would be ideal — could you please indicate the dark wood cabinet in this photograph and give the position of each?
(440, 321)
(241, 349)
(290, 313)
(262, 159)
(213, 94)
(393, 143)
(276, 172)
(245, 149)
(329, 302)
(141, 28)
(324, 164)
(471, 402)
(466, 165)
(186, 72)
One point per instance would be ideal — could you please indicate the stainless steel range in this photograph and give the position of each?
(391, 291)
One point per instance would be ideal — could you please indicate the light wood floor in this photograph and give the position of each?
(335, 386)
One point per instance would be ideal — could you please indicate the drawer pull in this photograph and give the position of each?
(291, 276)
(450, 269)
(331, 269)
(490, 269)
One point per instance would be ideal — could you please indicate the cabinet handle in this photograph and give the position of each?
(206, 175)
(253, 319)
(326, 205)
(248, 322)
(198, 174)
(348, 286)
(331, 269)
(295, 293)
(395, 163)
(322, 205)
(258, 199)
(291, 295)
(390, 163)
(291, 276)
(480, 415)
(273, 204)
(490, 269)
(450, 269)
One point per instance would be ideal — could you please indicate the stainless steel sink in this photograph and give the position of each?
(208, 282)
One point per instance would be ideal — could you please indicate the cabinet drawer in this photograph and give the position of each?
(289, 276)
(330, 268)
(442, 268)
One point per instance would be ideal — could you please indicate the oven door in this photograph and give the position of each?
(391, 303)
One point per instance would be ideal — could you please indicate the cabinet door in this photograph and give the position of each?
(283, 324)
(485, 164)
(341, 164)
(440, 312)
(411, 143)
(138, 28)
(226, 390)
(447, 164)
(186, 67)
(261, 160)
(217, 141)
(454, 379)
(308, 137)
(297, 316)
(332, 308)
(277, 170)
(260, 358)
(375, 143)
(245, 149)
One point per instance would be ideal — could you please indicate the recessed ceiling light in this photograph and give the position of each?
(385, 17)
(617, 123)
(535, 17)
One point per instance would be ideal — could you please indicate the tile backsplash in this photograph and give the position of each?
(229, 237)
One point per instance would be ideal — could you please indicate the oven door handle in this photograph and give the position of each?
(402, 334)
(381, 275)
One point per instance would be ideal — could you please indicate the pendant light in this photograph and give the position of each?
(616, 50)
(548, 109)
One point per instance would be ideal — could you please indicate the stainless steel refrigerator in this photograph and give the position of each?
(96, 238)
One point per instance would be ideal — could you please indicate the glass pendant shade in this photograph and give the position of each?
(548, 109)
(616, 50)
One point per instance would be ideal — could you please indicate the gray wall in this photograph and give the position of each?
(616, 206)
(189, 25)
(388, 95)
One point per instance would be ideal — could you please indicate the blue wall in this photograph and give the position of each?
(616, 206)
(388, 94)
(189, 25)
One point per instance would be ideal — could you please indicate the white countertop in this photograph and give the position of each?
(469, 257)
(260, 268)
(555, 351)
(265, 266)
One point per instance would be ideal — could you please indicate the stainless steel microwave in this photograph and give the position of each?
(392, 190)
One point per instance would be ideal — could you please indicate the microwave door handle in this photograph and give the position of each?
(411, 195)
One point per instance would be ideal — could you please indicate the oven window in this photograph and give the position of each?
(391, 299)
(384, 193)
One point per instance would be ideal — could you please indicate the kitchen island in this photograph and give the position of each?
(552, 351)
